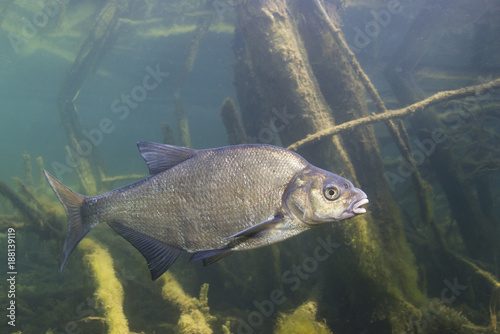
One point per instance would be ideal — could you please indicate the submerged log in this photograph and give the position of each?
(28, 170)
(280, 54)
(282, 76)
(180, 112)
(395, 128)
(5, 9)
(19, 203)
(477, 231)
(100, 39)
(254, 113)
(231, 120)
(167, 133)
(201, 30)
(182, 122)
(109, 290)
(41, 177)
(35, 219)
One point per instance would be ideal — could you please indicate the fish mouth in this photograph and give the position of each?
(357, 207)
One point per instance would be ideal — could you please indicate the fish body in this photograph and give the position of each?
(212, 202)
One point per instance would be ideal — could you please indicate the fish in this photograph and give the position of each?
(211, 202)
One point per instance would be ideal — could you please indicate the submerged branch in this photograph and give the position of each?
(396, 129)
(337, 35)
(109, 290)
(398, 113)
(110, 179)
(492, 282)
(22, 205)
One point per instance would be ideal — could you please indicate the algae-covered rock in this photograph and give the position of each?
(302, 320)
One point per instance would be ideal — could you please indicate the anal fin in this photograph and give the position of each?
(158, 255)
(211, 256)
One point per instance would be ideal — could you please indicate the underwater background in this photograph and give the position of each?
(415, 83)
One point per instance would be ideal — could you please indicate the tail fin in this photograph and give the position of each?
(77, 229)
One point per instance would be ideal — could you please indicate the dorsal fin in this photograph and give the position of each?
(161, 157)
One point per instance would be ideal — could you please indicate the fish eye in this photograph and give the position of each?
(331, 193)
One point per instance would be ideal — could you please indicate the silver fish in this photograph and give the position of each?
(211, 202)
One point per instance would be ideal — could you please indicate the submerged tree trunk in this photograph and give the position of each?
(478, 232)
(102, 35)
(376, 276)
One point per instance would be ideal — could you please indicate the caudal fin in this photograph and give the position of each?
(77, 229)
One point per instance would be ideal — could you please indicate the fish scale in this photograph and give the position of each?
(212, 202)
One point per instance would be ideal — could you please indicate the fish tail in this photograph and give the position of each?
(77, 229)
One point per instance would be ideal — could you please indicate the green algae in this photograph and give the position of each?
(301, 320)
(109, 291)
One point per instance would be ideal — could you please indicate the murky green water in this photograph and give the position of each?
(82, 82)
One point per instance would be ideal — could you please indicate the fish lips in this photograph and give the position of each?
(356, 208)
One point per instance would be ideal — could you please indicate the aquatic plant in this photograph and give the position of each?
(109, 291)
(195, 317)
(297, 78)
(301, 320)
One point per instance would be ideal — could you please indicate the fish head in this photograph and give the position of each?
(316, 196)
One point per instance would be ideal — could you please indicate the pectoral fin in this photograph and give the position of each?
(259, 229)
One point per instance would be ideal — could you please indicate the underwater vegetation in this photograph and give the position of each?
(195, 316)
(301, 320)
(109, 291)
(400, 97)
